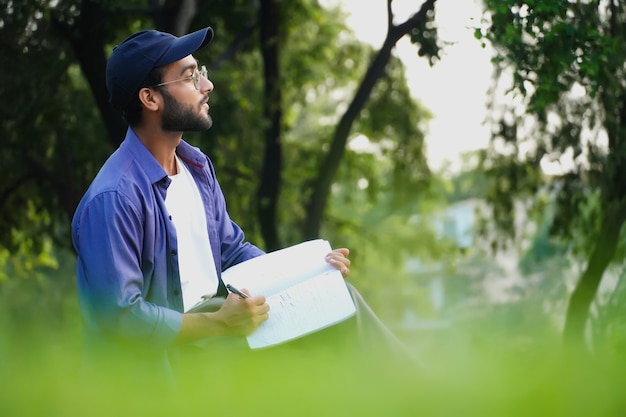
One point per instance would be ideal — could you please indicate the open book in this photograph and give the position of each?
(304, 292)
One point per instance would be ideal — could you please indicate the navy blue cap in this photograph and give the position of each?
(131, 61)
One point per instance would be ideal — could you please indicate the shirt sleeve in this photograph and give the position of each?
(108, 235)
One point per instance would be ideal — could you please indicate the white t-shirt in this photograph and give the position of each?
(198, 275)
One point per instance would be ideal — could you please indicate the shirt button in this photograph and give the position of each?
(176, 293)
(173, 252)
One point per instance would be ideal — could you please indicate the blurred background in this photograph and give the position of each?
(468, 152)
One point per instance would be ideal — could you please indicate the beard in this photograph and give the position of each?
(178, 117)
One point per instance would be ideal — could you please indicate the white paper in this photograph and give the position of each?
(304, 292)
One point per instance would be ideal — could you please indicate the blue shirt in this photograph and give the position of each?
(127, 268)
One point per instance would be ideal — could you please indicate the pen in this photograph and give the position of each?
(236, 291)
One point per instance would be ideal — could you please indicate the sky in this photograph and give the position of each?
(455, 88)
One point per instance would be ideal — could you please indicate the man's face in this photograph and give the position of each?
(184, 117)
(185, 90)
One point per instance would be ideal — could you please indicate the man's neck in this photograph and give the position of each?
(162, 145)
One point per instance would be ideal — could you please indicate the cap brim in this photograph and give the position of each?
(186, 45)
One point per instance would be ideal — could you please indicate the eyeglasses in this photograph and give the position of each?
(195, 77)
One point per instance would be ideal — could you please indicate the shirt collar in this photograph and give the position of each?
(153, 169)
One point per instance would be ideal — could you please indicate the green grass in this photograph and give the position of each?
(461, 374)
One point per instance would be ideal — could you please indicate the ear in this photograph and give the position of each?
(150, 99)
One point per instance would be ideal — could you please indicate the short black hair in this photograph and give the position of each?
(132, 113)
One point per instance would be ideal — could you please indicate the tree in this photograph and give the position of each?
(269, 187)
(424, 33)
(279, 37)
(566, 59)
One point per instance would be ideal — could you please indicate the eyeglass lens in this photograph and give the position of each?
(196, 76)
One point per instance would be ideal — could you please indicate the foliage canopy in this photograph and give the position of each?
(565, 60)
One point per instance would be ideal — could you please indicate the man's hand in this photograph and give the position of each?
(339, 259)
(241, 316)
(237, 317)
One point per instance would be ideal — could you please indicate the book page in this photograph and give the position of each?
(270, 273)
(304, 292)
(307, 307)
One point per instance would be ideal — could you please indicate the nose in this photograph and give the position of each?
(206, 84)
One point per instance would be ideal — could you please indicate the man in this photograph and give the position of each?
(152, 232)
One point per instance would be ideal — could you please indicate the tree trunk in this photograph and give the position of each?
(87, 39)
(587, 286)
(175, 16)
(269, 188)
(321, 189)
(317, 202)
